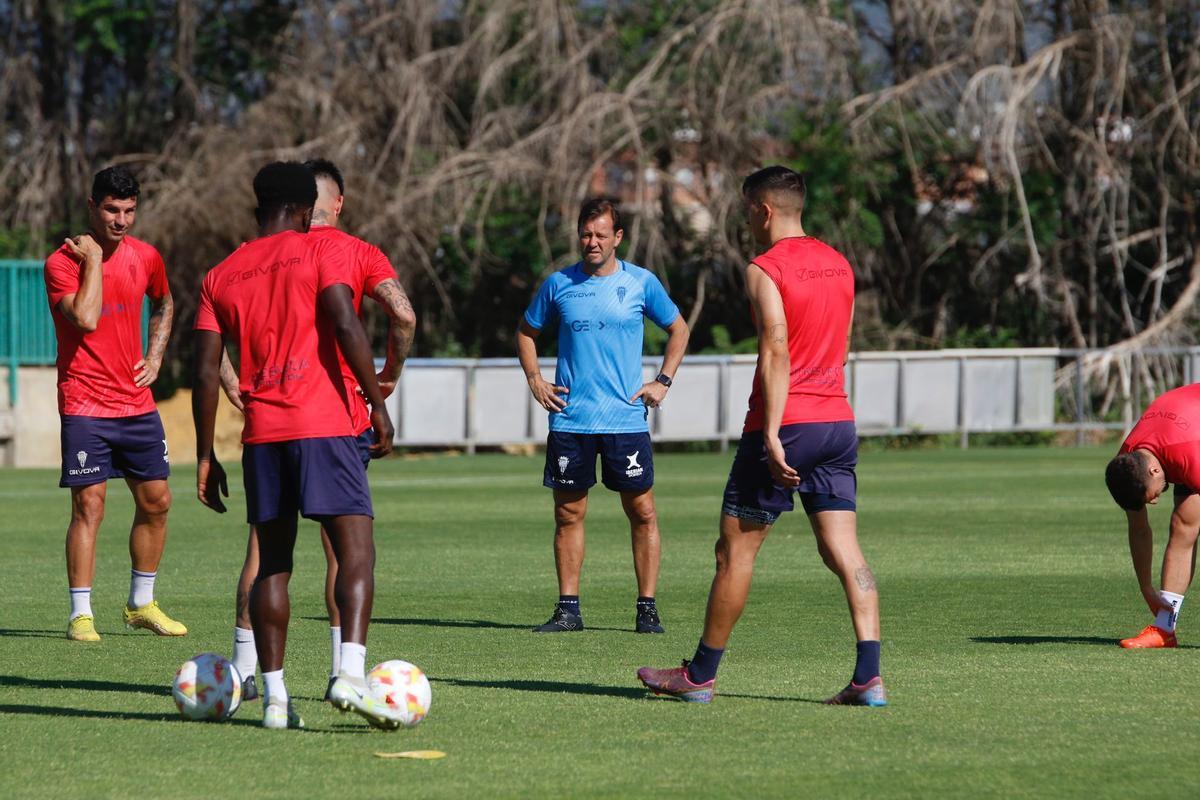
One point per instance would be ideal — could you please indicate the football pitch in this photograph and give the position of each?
(1004, 582)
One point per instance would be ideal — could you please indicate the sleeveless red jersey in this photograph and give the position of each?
(1170, 429)
(817, 286)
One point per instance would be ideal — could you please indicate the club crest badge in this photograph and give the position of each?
(620, 294)
(82, 456)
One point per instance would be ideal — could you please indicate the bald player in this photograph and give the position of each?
(1163, 448)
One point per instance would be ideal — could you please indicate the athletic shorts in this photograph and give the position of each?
(626, 461)
(363, 442)
(322, 477)
(95, 449)
(823, 453)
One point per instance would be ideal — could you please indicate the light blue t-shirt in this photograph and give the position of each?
(600, 343)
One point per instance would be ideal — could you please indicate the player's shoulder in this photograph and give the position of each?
(566, 277)
(142, 249)
(61, 257)
(813, 245)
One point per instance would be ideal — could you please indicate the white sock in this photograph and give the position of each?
(141, 588)
(273, 686)
(245, 657)
(81, 601)
(335, 639)
(354, 659)
(1166, 619)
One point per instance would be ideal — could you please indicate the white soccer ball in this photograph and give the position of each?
(403, 687)
(207, 687)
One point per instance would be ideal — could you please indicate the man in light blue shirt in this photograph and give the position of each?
(598, 402)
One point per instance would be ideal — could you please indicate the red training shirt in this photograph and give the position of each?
(95, 370)
(263, 298)
(1170, 429)
(369, 267)
(817, 286)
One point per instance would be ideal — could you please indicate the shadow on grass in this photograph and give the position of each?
(1093, 640)
(36, 634)
(85, 685)
(551, 687)
(139, 716)
(468, 623)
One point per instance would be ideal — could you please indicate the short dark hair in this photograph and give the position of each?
(115, 182)
(777, 180)
(1128, 480)
(285, 183)
(598, 207)
(324, 168)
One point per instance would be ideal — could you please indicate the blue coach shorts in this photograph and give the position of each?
(322, 477)
(626, 461)
(824, 453)
(95, 449)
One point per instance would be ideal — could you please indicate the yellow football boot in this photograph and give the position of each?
(152, 618)
(82, 629)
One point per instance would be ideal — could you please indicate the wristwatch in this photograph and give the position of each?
(664, 379)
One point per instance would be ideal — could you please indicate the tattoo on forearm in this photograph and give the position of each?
(864, 579)
(777, 333)
(392, 297)
(229, 377)
(160, 328)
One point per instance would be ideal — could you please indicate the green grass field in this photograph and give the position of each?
(1004, 583)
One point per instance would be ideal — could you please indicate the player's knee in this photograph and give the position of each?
(642, 516)
(88, 508)
(566, 516)
(827, 558)
(156, 502)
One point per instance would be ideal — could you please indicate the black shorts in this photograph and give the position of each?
(95, 449)
(824, 453)
(626, 461)
(320, 477)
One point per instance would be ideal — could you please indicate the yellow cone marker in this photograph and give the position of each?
(422, 754)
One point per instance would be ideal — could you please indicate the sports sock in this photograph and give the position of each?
(273, 686)
(81, 601)
(645, 603)
(335, 639)
(703, 667)
(1166, 619)
(245, 657)
(866, 664)
(141, 588)
(569, 602)
(354, 657)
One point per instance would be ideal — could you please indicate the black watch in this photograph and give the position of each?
(664, 379)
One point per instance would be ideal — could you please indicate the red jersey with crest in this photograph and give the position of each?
(263, 299)
(369, 267)
(1170, 429)
(95, 370)
(817, 287)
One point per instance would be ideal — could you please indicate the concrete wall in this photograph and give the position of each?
(34, 439)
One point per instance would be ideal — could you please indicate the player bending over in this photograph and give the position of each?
(95, 284)
(284, 302)
(371, 274)
(1163, 448)
(799, 436)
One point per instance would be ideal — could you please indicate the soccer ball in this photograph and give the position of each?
(403, 687)
(207, 687)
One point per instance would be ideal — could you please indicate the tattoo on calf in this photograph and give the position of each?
(864, 579)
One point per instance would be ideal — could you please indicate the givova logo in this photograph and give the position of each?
(82, 458)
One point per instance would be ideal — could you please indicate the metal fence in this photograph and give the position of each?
(485, 402)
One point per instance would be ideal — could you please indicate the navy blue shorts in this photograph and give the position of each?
(95, 449)
(363, 442)
(626, 461)
(824, 453)
(322, 477)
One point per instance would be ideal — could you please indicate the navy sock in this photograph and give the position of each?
(645, 603)
(569, 602)
(866, 664)
(704, 664)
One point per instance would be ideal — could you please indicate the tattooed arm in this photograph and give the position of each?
(162, 313)
(775, 367)
(230, 381)
(402, 326)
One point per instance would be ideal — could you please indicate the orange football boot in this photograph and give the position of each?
(1150, 637)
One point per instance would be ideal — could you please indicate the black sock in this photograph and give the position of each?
(569, 602)
(645, 604)
(703, 667)
(866, 664)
